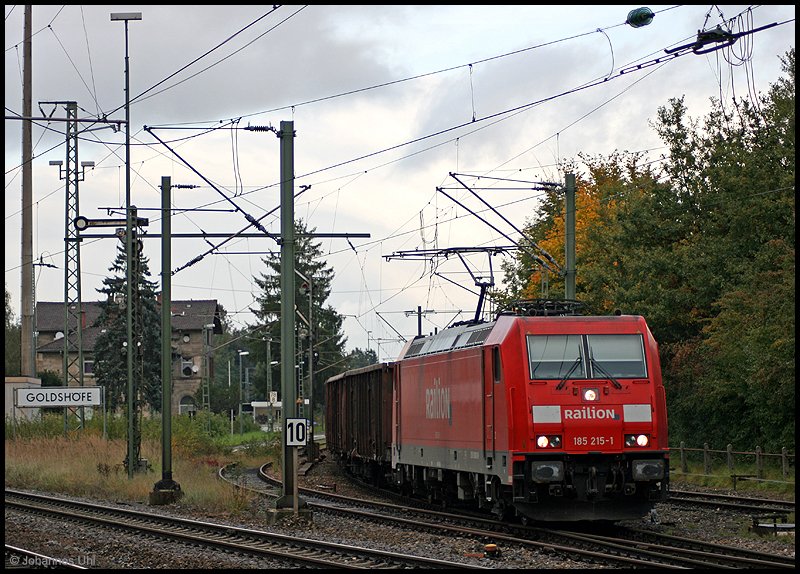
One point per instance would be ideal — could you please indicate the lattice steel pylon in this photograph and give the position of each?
(73, 323)
(138, 345)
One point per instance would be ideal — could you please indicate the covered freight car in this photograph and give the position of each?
(358, 419)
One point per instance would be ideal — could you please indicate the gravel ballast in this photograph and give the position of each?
(98, 547)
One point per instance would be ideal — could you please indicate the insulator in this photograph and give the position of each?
(640, 17)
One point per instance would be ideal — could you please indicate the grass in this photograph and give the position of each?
(40, 457)
(743, 487)
(774, 482)
(82, 463)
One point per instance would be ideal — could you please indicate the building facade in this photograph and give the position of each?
(194, 324)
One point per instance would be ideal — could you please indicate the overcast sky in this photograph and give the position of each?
(386, 102)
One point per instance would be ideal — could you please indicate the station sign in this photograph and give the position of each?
(59, 397)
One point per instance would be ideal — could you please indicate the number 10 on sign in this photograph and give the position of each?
(296, 433)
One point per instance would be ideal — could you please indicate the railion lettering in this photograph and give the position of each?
(589, 413)
(437, 401)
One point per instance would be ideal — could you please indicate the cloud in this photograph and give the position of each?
(291, 70)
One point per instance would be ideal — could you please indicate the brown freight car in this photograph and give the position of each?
(358, 425)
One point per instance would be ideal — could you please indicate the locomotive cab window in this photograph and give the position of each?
(620, 356)
(566, 357)
(556, 357)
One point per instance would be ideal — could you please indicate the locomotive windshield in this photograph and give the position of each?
(556, 356)
(586, 356)
(618, 355)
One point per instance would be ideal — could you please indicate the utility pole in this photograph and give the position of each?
(28, 344)
(569, 233)
(290, 498)
(166, 490)
(132, 458)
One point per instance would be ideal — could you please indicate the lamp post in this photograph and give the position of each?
(125, 17)
(229, 392)
(307, 288)
(241, 354)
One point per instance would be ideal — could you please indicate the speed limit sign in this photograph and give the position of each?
(296, 433)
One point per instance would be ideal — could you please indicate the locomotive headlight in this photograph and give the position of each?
(637, 440)
(591, 394)
(548, 441)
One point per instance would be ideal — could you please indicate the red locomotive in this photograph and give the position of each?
(548, 418)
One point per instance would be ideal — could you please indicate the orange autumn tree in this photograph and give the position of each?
(606, 185)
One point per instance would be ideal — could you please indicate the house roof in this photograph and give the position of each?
(193, 315)
(50, 315)
(187, 315)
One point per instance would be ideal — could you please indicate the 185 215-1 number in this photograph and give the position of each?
(593, 441)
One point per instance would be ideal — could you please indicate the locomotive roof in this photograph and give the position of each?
(473, 335)
(458, 337)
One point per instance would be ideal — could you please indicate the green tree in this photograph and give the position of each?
(13, 341)
(111, 360)
(704, 249)
(325, 334)
(740, 366)
(360, 358)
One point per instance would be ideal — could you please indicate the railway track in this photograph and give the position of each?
(296, 551)
(627, 548)
(747, 504)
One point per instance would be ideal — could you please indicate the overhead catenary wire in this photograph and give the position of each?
(532, 242)
(252, 220)
(362, 172)
(532, 255)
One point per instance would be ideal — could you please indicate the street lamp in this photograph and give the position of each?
(307, 287)
(241, 354)
(125, 16)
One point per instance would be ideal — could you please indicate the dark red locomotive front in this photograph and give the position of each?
(548, 418)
